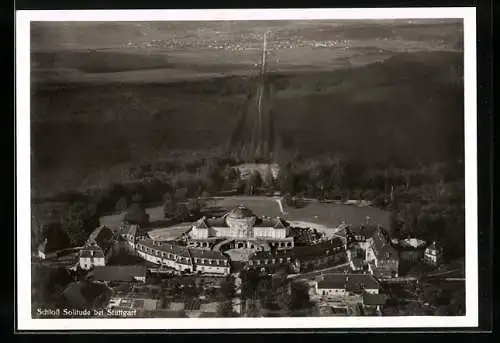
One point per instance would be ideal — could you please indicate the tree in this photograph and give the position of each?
(136, 214)
(79, 220)
(282, 298)
(137, 198)
(193, 206)
(253, 182)
(121, 205)
(228, 288)
(286, 181)
(395, 225)
(169, 205)
(225, 309)
(299, 296)
(231, 176)
(253, 309)
(181, 194)
(181, 212)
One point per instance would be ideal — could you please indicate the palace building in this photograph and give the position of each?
(165, 254)
(243, 229)
(183, 259)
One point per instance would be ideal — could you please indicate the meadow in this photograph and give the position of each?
(324, 215)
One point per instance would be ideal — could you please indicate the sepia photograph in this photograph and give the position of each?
(259, 169)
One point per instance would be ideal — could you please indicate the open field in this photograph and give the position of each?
(260, 205)
(323, 217)
(332, 215)
(169, 233)
(114, 220)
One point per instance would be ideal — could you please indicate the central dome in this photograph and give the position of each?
(240, 212)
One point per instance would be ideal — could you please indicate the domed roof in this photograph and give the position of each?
(240, 212)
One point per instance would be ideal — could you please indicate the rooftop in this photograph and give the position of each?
(349, 282)
(175, 249)
(411, 243)
(365, 230)
(382, 246)
(434, 246)
(316, 250)
(374, 299)
(332, 281)
(103, 236)
(240, 212)
(205, 223)
(359, 282)
(210, 254)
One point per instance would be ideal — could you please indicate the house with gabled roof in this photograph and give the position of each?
(97, 249)
(433, 254)
(374, 301)
(382, 258)
(338, 284)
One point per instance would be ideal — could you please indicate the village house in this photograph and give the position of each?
(382, 258)
(97, 249)
(119, 274)
(43, 251)
(335, 285)
(374, 301)
(433, 254)
(355, 257)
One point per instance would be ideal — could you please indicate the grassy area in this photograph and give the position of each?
(331, 215)
(261, 206)
(328, 215)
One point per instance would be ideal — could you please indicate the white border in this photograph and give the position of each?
(24, 320)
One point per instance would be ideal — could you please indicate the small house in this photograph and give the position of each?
(433, 254)
(97, 249)
(374, 301)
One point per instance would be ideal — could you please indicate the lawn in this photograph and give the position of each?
(169, 233)
(322, 214)
(331, 215)
(114, 220)
(261, 206)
